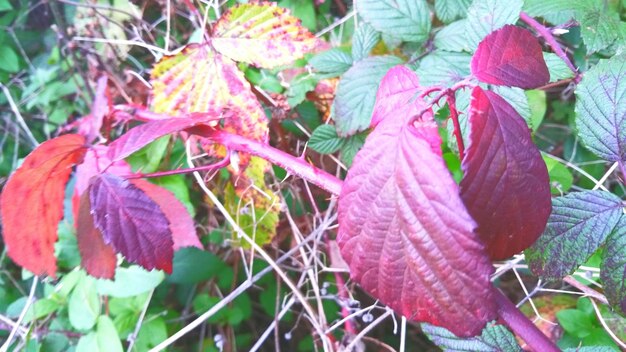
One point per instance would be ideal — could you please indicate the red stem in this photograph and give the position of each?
(522, 326)
(218, 165)
(549, 38)
(294, 165)
(454, 115)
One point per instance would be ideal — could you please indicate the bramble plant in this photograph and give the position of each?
(432, 117)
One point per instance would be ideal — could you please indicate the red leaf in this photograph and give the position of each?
(97, 257)
(181, 224)
(142, 135)
(506, 186)
(405, 233)
(32, 202)
(397, 88)
(131, 222)
(510, 56)
(96, 161)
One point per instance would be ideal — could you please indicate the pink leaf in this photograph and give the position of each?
(510, 56)
(506, 186)
(142, 135)
(97, 257)
(397, 88)
(181, 224)
(131, 222)
(405, 233)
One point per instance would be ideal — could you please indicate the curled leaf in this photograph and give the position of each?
(32, 202)
(501, 165)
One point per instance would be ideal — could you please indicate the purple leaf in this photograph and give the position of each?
(405, 233)
(397, 88)
(506, 187)
(131, 222)
(146, 133)
(510, 56)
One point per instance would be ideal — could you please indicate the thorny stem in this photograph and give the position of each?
(454, 115)
(288, 162)
(549, 38)
(211, 167)
(522, 326)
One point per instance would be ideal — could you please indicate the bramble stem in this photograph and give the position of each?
(293, 164)
(549, 38)
(454, 115)
(522, 326)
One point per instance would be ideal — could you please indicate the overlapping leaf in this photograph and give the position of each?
(399, 87)
(32, 202)
(146, 133)
(510, 56)
(131, 222)
(181, 224)
(578, 225)
(97, 257)
(494, 338)
(408, 20)
(356, 93)
(261, 34)
(501, 165)
(613, 269)
(363, 41)
(601, 109)
(405, 234)
(450, 10)
(485, 16)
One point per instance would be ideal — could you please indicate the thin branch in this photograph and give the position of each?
(357, 338)
(570, 280)
(18, 115)
(549, 38)
(18, 323)
(133, 337)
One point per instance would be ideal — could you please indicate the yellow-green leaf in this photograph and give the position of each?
(261, 34)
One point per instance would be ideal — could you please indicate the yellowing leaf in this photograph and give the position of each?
(261, 34)
(253, 205)
(199, 80)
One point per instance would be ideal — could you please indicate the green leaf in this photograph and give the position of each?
(9, 60)
(575, 322)
(517, 98)
(555, 11)
(364, 40)
(192, 265)
(351, 147)
(485, 16)
(5, 5)
(152, 333)
(450, 10)
(612, 270)
(325, 140)
(356, 93)
(600, 108)
(443, 68)
(84, 304)
(599, 27)
(452, 37)
(557, 67)
(538, 107)
(561, 178)
(578, 225)
(88, 343)
(40, 309)
(130, 281)
(494, 338)
(106, 335)
(408, 20)
(177, 185)
(332, 62)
